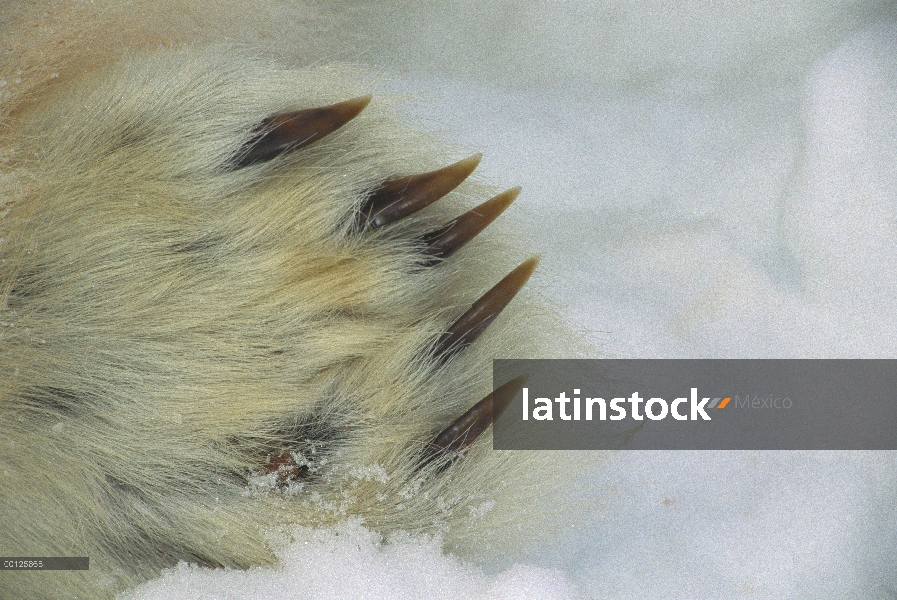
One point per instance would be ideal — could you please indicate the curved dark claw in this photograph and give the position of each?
(471, 425)
(399, 198)
(467, 428)
(293, 130)
(472, 323)
(443, 242)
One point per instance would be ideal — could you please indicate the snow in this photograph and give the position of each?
(699, 184)
(351, 561)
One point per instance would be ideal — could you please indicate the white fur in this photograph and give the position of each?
(171, 323)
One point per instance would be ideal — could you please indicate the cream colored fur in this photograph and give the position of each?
(166, 324)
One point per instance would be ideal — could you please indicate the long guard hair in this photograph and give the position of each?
(237, 293)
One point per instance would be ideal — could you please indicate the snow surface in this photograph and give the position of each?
(351, 562)
(700, 183)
